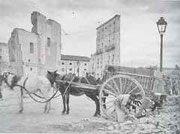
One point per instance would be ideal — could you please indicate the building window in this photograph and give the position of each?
(48, 42)
(85, 69)
(29, 60)
(31, 47)
(62, 63)
(31, 69)
(85, 64)
(70, 69)
(0, 57)
(70, 63)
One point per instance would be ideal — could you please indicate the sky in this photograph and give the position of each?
(140, 40)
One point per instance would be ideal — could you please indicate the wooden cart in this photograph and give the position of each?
(124, 80)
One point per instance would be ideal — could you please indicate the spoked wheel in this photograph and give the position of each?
(112, 88)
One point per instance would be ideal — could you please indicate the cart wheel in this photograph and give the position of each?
(112, 88)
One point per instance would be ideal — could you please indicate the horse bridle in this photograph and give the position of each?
(14, 82)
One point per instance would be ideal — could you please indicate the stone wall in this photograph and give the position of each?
(36, 51)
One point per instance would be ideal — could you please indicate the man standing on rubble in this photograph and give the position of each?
(121, 103)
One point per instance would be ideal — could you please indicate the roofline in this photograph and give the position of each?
(21, 29)
(107, 21)
(75, 60)
(87, 58)
(3, 43)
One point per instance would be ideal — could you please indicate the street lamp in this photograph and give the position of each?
(161, 24)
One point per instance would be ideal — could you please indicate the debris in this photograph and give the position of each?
(110, 128)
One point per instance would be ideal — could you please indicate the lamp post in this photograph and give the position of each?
(161, 25)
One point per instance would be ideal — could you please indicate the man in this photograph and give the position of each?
(122, 105)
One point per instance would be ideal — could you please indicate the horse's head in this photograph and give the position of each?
(52, 76)
(10, 79)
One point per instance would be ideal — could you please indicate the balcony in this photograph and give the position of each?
(109, 48)
(98, 52)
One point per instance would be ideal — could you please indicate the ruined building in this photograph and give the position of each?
(107, 46)
(4, 57)
(36, 51)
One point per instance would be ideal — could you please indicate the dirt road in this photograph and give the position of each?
(80, 119)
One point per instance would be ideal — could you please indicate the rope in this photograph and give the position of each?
(44, 97)
(23, 87)
(34, 98)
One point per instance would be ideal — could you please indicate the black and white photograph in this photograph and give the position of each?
(90, 66)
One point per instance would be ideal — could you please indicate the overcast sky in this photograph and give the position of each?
(140, 40)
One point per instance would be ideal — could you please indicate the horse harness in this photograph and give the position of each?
(24, 88)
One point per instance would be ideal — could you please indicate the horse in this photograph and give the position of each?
(66, 89)
(30, 84)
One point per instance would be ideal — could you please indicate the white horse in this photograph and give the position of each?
(30, 84)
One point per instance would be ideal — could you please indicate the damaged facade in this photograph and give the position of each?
(107, 46)
(36, 51)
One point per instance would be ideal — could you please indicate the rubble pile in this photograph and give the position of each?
(164, 120)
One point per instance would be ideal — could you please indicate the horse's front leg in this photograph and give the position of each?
(67, 103)
(48, 107)
(64, 106)
(21, 101)
(97, 113)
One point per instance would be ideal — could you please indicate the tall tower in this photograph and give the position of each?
(107, 45)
